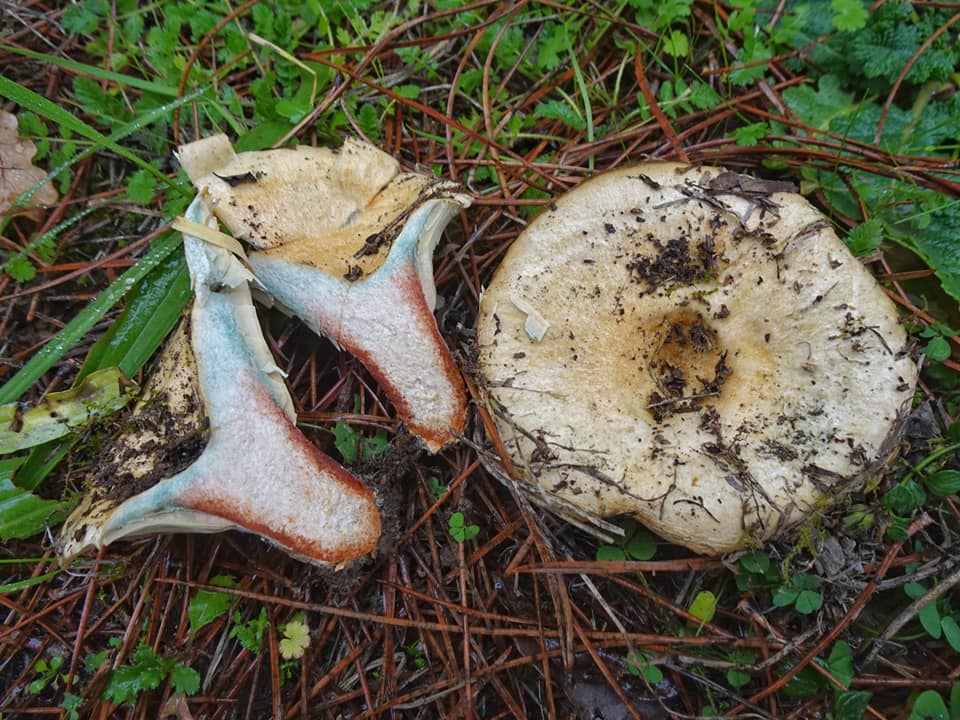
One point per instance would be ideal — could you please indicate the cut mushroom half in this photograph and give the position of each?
(346, 243)
(706, 355)
(213, 441)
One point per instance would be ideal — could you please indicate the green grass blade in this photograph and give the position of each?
(96, 72)
(42, 460)
(101, 393)
(29, 582)
(153, 309)
(585, 96)
(23, 514)
(86, 319)
(25, 561)
(37, 103)
(8, 466)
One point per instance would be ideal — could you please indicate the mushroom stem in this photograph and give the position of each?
(257, 472)
(389, 326)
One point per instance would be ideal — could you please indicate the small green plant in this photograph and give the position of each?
(676, 44)
(806, 683)
(208, 605)
(935, 617)
(640, 664)
(943, 482)
(840, 662)
(48, 674)
(736, 677)
(801, 592)
(636, 543)
(937, 347)
(94, 661)
(414, 651)
(851, 704)
(757, 571)
(296, 637)
(865, 237)
(929, 705)
(437, 488)
(459, 530)
(704, 606)
(250, 633)
(145, 672)
(899, 502)
(859, 519)
(809, 682)
(352, 446)
(750, 135)
(71, 706)
(289, 669)
(848, 14)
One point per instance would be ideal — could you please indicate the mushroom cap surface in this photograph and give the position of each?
(312, 206)
(711, 358)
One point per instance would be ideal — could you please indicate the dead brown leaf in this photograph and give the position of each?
(17, 172)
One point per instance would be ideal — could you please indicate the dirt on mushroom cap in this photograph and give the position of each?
(715, 361)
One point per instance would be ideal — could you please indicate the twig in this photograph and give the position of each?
(908, 613)
(923, 521)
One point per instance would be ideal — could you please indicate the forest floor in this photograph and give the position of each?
(524, 616)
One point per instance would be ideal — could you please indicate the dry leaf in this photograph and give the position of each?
(176, 706)
(17, 173)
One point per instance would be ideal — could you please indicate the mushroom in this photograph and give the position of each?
(346, 243)
(213, 442)
(694, 348)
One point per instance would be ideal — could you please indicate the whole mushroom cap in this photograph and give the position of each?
(684, 345)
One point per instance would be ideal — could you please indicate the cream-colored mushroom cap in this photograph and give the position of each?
(684, 345)
(337, 210)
